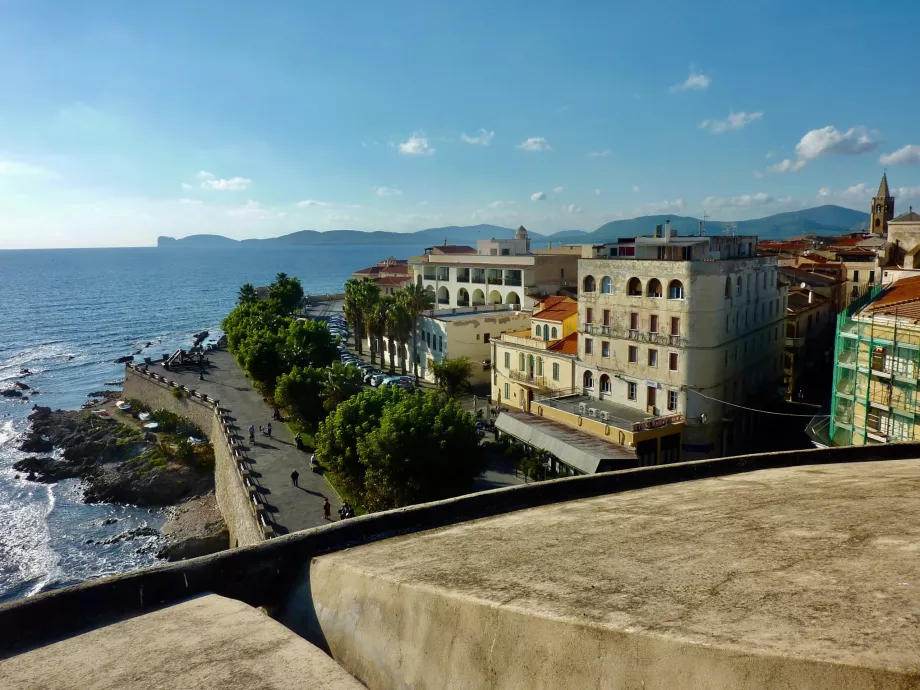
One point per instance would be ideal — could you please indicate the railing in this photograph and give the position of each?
(652, 338)
(463, 277)
(444, 275)
(495, 281)
(527, 377)
(463, 304)
(479, 278)
(513, 281)
(430, 276)
(657, 422)
(443, 300)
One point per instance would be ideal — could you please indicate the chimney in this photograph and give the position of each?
(549, 245)
(667, 229)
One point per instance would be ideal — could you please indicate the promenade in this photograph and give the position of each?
(273, 459)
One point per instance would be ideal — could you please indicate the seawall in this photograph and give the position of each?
(237, 495)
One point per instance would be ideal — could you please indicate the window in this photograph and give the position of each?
(507, 360)
(589, 315)
(654, 288)
(588, 380)
(675, 325)
(728, 286)
(650, 396)
(545, 332)
(589, 346)
(606, 285)
(652, 357)
(521, 362)
(555, 371)
(440, 343)
(428, 338)
(672, 361)
(856, 276)
(554, 333)
(634, 321)
(738, 287)
(486, 338)
(630, 390)
(634, 288)
(871, 276)
(507, 391)
(675, 290)
(539, 366)
(605, 349)
(589, 284)
(633, 354)
(672, 400)
(728, 326)
(653, 323)
(605, 383)
(606, 317)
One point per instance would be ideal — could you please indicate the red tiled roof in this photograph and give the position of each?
(850, 241)
(553, 300)
(393, 280)
(851, 251)
(567, 346)
(558, 312)
(452, 249)
(901, 299)
(798, 301)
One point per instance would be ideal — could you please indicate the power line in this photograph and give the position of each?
(753, 409)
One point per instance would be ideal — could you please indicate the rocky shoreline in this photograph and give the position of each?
(119, 462)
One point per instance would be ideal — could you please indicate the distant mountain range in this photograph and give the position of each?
(828, 220)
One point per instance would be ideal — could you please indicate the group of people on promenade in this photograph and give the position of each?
(264, 430)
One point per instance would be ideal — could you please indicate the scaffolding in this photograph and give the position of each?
(875, 389)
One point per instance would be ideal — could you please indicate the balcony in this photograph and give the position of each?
(528, 378)
(495, 280)
(512, 281)
(430, 276)
(443, 274)
(653, 338)
(597, 329)
(479, 276)
(463, 275)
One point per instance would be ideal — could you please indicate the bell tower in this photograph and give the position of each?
(882, 209)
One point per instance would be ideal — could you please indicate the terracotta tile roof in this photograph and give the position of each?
(798, 274)
(854, 251)
(393, 280)
(553, 300)
(901, 299)
(848, 241)
(558, 312)
(452, 249)
(567, 346)
(798, 301)
(518, 334)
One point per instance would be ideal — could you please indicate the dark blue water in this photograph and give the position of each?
(65, 315)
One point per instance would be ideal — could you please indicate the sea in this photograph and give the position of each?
(65, 315)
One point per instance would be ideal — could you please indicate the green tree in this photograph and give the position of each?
(307, 342)
(417, 300)
(262, 357)
(452, 375)
(423, 450)
(247, 294)
(360, 299)
(376, 323)
(286, 292)
(338, 435)
(299, 392)
(342, 382)
(399, 326)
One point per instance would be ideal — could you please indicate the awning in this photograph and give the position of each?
(578, 449)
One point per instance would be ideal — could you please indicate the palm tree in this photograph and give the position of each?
(418, 300)
(247, 294)
(377, 326)
(360, 298)
(400, 319)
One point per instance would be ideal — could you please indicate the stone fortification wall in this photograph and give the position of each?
(276, 573)
(237, 494)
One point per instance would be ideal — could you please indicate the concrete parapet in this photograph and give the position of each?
(238, 497)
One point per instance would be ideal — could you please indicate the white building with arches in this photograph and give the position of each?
(676, 325)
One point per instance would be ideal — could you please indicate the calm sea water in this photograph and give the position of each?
(65, 315)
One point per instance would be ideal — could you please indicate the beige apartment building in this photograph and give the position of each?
(674, 325)
(498, 271)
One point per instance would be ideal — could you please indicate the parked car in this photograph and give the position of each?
(379, 379)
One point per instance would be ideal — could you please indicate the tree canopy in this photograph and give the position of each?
(452, 375)
(286, 292)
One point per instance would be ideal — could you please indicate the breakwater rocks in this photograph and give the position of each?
(118, 463)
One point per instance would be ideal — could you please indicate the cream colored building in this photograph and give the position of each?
(499, 272)
(675, 325)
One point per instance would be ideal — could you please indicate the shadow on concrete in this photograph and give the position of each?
(312, 493)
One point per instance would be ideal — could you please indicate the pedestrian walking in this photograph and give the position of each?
(327, 509)
(294, 476)
(268, 430)
(252, 434)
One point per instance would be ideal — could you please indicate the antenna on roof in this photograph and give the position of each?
(703, 223)
(731, 228)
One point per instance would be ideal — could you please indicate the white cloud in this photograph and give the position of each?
(187, 186)
(771, 154)
(416, 145)
(310, 202)
(253, 209)
(597, 192)
(484, 138)
(745, 200)
(824, 192)
(829, 141)
(600, 154)
(636, 188)
(497, 204)
(733, 121)
(758, 174)
(233, 184)
(858, 191)
(656, 207)
(572, 208)
(538, 196)
(559, 190)
(16, 169)
(907, 192)
(906, 155)
(204, 175)
(786, 165)
(388, 191)
(534, 144)
(697, 81)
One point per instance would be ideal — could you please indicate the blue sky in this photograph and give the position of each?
(121, 121)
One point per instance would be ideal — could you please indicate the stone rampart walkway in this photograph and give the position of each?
(274, 458)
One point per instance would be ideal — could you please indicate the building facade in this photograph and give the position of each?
(677, 325)
(882, 209)
(809, 337)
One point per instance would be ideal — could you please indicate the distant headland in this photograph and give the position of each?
(826, 220)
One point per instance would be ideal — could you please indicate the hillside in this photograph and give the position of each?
(822, 219)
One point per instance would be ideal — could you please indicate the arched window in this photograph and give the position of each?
(588, 380)
(539, 366)
(634, 287)
(521, 361)
(590, 285)
(606, 285)
(605, 383)
(545, 332)
(739, 286)
(555, 333)
(728, 286)
(675, 290)
(654, 288)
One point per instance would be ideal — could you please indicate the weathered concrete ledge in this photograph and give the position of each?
(267, 574)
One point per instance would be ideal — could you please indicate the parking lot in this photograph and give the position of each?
(374, 375)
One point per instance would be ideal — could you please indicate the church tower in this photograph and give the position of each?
(882, 209)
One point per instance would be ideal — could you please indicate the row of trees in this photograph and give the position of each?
(377, 316)
(391, 448)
